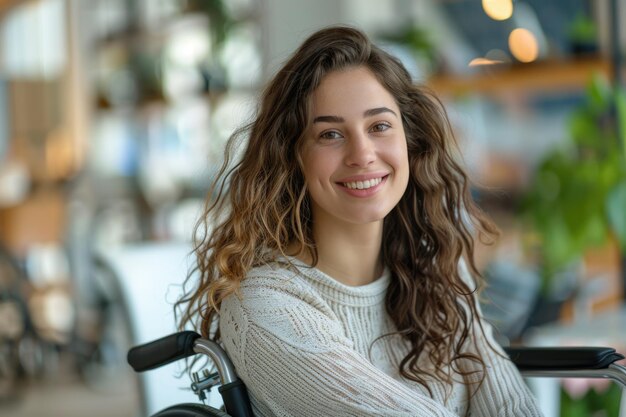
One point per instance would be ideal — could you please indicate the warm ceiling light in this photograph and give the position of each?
(498, 9)
(476, 62)
(523, 45)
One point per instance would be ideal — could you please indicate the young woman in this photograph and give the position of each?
(337, 273)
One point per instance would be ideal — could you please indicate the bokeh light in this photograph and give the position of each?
(498, 9)
(476, 62)
(523, 45)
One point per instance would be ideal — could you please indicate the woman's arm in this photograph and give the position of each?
(503, 392)
(296, 361)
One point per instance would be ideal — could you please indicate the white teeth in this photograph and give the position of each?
(363, 185)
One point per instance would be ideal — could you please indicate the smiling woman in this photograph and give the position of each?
(338, 273)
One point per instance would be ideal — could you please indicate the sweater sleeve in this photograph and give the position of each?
(503, 392)
(295, 361)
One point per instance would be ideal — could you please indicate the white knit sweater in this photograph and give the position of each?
(306, 345)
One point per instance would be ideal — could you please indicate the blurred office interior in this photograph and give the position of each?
(113, 119)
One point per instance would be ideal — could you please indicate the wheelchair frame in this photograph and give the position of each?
(555, 362)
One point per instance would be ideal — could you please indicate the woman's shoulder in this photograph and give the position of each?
(274, 285)
(274, 272)
(275, 278)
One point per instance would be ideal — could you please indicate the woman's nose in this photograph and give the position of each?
(360, 151)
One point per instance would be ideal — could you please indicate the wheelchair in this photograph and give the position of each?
(569, 362)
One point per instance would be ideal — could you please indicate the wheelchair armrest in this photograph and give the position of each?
(162, 351)
(187, 343)
(179, 346)
(562, 358)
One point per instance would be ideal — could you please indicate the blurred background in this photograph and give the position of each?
(113, 119)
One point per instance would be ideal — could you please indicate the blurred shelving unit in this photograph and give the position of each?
(510, 114)
(170, 83)
(117, 115)
(40, 157)
(42, 151)
(167, 84)
(524, 79)
(517, 85)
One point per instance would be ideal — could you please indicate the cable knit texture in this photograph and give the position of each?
(307, 345)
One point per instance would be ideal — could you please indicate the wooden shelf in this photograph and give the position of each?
(544, 76)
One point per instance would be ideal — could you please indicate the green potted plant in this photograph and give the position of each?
(577, 199)
(582, 35)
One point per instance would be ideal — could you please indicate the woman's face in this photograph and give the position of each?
(355, 160)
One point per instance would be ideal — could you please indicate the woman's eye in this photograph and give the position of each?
(330, 134)
(380, 127)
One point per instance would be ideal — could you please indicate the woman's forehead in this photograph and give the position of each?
(353, 90)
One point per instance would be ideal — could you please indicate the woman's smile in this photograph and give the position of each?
(364, 187)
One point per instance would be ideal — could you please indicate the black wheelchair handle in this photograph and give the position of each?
(183, 344)
(562, 358)
(162, 351)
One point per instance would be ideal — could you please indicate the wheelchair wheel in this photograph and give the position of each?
(191, 410)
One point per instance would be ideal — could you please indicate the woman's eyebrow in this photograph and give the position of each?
(328, 119)
(366, 113)
(378, 110)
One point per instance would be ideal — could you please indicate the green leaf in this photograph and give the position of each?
(616, 213)
(584, 128)
(599, 93)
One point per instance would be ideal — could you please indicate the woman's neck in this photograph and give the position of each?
(350, 253)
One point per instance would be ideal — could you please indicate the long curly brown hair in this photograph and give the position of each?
(259, 207)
